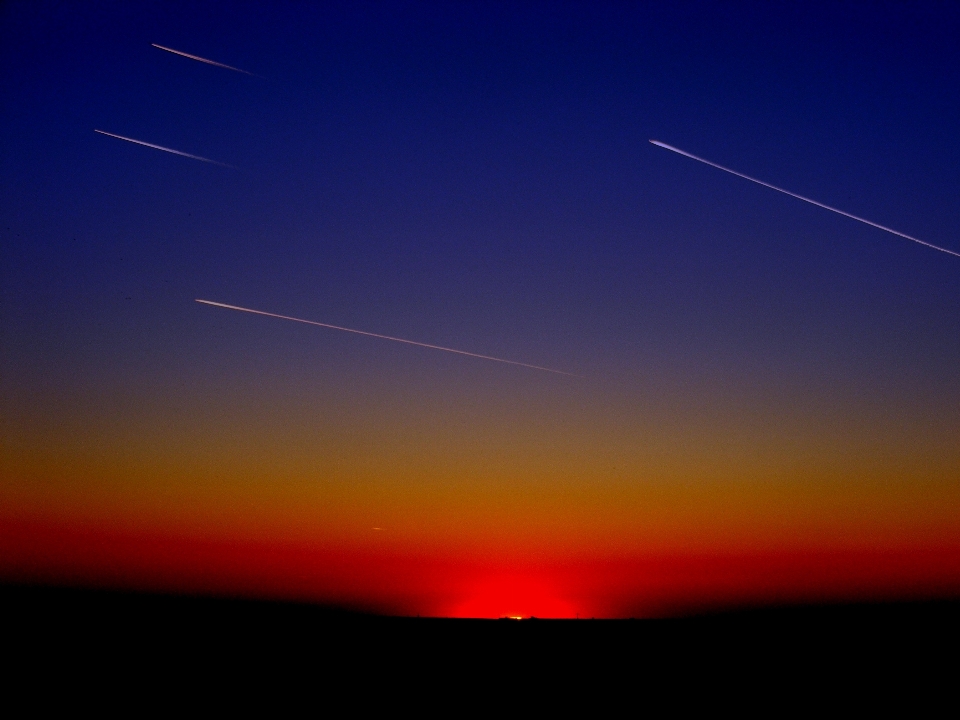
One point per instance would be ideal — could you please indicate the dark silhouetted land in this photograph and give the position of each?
(86, 628)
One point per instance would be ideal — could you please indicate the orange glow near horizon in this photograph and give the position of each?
(411, 582)
(470, 503)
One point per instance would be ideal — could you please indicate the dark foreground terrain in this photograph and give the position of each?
(51, 631)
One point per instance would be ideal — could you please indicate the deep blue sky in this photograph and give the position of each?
(479, 176)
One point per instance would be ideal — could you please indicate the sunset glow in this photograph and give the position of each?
(592, 378)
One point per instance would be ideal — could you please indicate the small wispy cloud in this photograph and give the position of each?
(204, 60)
(165, 149)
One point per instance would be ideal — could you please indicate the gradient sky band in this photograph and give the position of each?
(165, 149)
(801, 197)
(384, 337)
(203, 60)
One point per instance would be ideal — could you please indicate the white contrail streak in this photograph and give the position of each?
(801, 197)
(383, 337)
(203, 60)
(165, 149)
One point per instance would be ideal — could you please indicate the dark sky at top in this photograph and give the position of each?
(425, 168)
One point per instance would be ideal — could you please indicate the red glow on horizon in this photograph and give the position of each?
(412, 583)
(515, 595)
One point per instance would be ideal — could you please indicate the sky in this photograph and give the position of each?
(764, 402)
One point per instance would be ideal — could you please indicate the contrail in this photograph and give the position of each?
(203, 60)
(383, 337)
(801, 197)
(165, 149)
